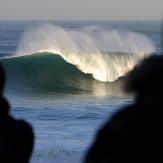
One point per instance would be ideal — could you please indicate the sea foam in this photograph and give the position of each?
(106, 54)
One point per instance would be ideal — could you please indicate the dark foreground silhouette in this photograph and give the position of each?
(16, 136)
(134, 134)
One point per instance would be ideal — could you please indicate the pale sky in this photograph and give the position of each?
(81, 9)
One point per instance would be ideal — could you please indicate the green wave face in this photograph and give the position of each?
(45, 72)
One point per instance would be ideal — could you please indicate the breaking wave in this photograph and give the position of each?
(58, 59)
(105, 54)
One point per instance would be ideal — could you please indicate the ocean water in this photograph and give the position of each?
(66, 77)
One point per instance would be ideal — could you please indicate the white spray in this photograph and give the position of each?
(106, 54)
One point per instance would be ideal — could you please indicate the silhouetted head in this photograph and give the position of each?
(146, 79)
(2, 79)
(4, 106)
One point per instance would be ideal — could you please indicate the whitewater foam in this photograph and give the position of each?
(106, 54)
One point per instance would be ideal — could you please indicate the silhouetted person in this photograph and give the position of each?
(16, 136)
(134, 134)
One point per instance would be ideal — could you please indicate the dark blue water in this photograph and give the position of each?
(48, 84)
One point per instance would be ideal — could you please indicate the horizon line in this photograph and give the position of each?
(80, 20)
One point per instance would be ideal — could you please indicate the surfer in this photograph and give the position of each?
(134, 133)
(16, 136)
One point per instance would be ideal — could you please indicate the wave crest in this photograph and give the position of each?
(106, 54)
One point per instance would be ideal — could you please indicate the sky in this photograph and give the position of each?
(81, 9)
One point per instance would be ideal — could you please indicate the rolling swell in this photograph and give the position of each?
(49, 73)
(45, 72)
